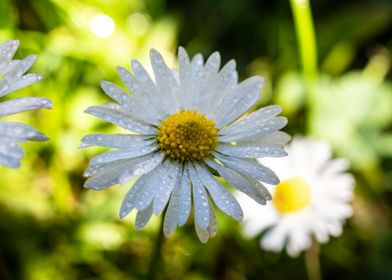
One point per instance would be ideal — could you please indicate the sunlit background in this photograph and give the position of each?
(52, 228)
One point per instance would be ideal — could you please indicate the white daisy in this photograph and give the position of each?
(311, 202)
(12, 78)
(186, 131)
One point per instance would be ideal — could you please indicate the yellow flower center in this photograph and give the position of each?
(291, 195)
(187, 135)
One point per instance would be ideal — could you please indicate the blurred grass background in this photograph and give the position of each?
(52, 228)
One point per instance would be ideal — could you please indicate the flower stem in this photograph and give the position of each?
(155, 264)
(312, 261)
(304, 28)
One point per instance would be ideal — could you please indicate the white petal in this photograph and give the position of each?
(220, 195)
(9, 148)
(225, 83)
(200, 200)
(185, 78)
(249, 168)
(275, 139)
(239, 101)
(21, 82)
(145, 164)
(143, 216)
(173, 210)
(205, 234)
(9, 161)
(7, 51)
(123, 154)
(21, 132)
(237, 181)
(136, 105)
(254, 130)
(166, 84)
(17, 105)
(185, 197)
(113, 115)
(250, 151)
(122, 172)
(208, 80)
(121, 141)
(140, 189)
(197, 81)
(165, 187)
(298, 241)
(261, 115)
(106, 175)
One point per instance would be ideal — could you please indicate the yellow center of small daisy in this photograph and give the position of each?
(187, 135)
(291, 195)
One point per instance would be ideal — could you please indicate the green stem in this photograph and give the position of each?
(306, 37)
(155, 264)
(312, 262)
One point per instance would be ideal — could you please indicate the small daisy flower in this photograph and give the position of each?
(12, 78)
(311, 202)
(187, 130)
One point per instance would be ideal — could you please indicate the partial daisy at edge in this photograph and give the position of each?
(13, 77)
(187, 127)
(311, 203)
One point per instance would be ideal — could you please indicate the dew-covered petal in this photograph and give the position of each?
(137, 105)
(7, 51)
(237, 181)
(123, 154)
(207, 81)
(239, 101)
(254, 130)
(9, 161)
(166, 83)
(276, 139)
(17, 105)
(121, 97)
(141, 189)
(220, 195)
(173, 210)
(145, 164)
(94, 169)
(200, 200)
(260, 187)
(19, 67)
(197, 81)
(212, 228)
(250, 168)
(185, 197)
(250, 151)
(226, 81)
(10, 148)
(123, 171)
(170, 172)
(113, 114)
(20, 132)
(261, 115)
(122, 141)
(8, 87)
(144, 88)
(185, 78)
(106, 177)
(143, 216)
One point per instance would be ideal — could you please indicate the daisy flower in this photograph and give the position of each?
(12, 78)
(311, 202)
(187, 131)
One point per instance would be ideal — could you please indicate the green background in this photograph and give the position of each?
(52, 228)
